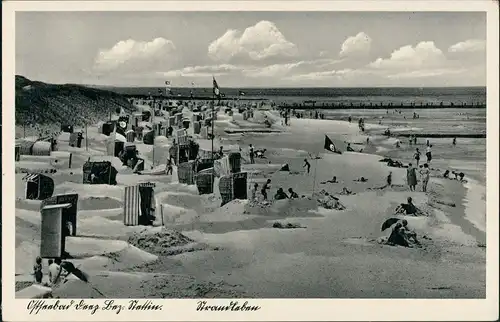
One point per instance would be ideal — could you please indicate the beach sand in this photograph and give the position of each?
(234, 251)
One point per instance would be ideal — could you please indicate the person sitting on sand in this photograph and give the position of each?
(446, 174)
(362, 179)
(398, 143)
(408, 208)
(260, 153)
(349, 148)
(409, 233)
(461, 176)
(307, 165)
(280, 194)
(265, 187)
(397, 237)
(293, 194)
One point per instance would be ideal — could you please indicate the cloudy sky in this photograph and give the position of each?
(257, 49)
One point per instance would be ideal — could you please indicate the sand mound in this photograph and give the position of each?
(283, 208)
(86, 190)
(160, 242)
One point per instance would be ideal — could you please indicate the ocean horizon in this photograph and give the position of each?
(395, 95)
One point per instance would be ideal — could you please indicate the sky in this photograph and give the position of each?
(253, 49)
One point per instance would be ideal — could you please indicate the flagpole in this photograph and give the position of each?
(86, 138)
(213, 121)
(153, 123)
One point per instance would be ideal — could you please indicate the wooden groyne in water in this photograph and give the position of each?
(380, 106)
(443, 135)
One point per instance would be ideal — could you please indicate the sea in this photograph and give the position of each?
(347, 95)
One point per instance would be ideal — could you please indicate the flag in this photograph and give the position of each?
(241, 93)
(192, 83)
(330, 146)
(167, 83)
(216, 88)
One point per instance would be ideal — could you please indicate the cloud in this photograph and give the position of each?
(202, 71)
(428, 73)
(135, 54)
(281, 70)
(424, 55)
(356, 45)
(258, 42)
(468, 46)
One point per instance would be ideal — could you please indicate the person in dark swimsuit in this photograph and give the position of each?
(308, 165)
(264, 189)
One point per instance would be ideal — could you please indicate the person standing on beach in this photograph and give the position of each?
(415, 140)
(411, 177)
(307, 165)
(428, 153)
(454, 141)
(265, 187)
(254, 191)
(416, 156)
(252, 161)
(425, 173)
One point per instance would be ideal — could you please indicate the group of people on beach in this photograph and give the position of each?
(280, 193)
(56, 271)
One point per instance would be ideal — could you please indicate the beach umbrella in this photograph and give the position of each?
(82, 276)
(70, 268)
(388, 223)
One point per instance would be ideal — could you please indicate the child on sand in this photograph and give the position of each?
(425, 173)
(254, 191)
(169, 166)
(265, 187)
(307, 165)
(293, 194)
(37, 270)
(349, 148)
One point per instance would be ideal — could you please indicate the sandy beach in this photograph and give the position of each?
(234, 251)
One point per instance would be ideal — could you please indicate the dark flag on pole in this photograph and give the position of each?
(216, 88)
(330, 146)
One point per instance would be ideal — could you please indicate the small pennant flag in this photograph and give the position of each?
(241, 93)
(167, 83)
(330, 146)
(216, 88)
